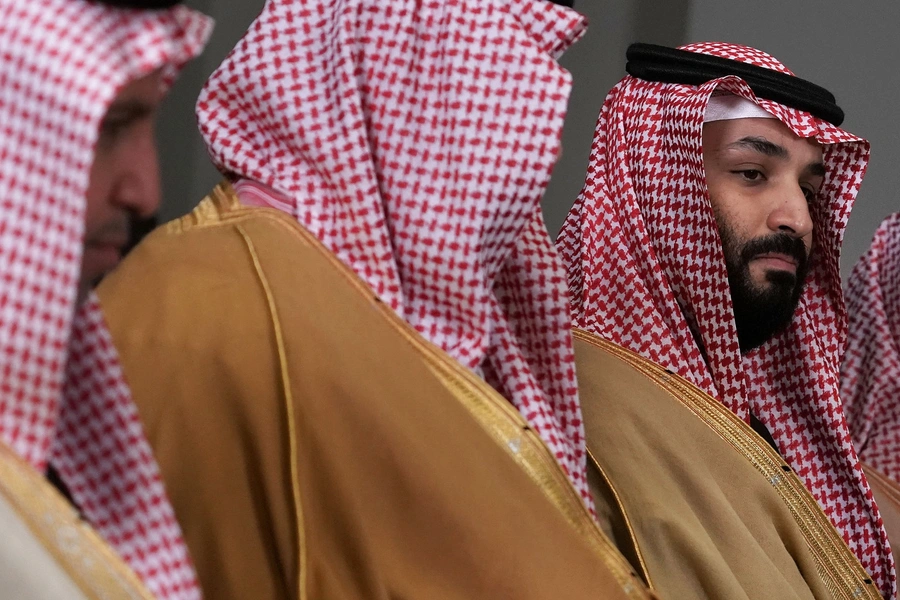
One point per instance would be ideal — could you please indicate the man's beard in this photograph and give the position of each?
(138, 229)
(760, 312)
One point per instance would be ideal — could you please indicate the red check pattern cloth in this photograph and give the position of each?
(61, 64)
(870, 373)
(415, 139)
(647, 271)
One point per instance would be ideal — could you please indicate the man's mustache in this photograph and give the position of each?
(777, 243)
(114, 229)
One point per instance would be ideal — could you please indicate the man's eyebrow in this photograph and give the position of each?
(816, 169)
(761, 145)
(764, 146)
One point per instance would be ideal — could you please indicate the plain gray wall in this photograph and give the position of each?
(853, 50)
(187, 173)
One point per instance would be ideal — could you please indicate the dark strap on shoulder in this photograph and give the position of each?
(670, 65)
(763, 432)
(56, 481)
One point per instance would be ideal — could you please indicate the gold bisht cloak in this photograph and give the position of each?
(887, 496)
(315, 446)
(700, 503)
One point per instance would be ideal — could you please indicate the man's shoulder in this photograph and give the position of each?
(221, 201)
(219, 246)
(208, 268)
(221, 212)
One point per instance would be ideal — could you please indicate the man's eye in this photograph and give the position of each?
(750, 174)
(810, 194)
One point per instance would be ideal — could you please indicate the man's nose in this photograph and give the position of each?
(138, 189)
(791, 214)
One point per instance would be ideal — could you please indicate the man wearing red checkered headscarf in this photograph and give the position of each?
(871, 365)
(703, 254)
(356, 365)
(79, 83)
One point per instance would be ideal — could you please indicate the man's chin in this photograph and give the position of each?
(764, 281)
(764, 309)
(773, 287)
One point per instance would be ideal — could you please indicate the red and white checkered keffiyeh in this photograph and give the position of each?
(415, 140)
(647, 271)
(61, 64)
(870, 373)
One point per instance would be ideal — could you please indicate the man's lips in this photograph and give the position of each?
(117, 241)
(776, 260)
(102, 254)
(106, 245)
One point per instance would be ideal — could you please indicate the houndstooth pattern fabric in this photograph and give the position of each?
(61, 64)
(415, 139)
(647, 271)
(870, 372)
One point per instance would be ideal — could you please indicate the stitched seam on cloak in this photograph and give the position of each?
(634, 541)
(288, 398)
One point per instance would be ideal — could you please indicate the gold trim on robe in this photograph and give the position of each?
(47, 550)
(709, 497)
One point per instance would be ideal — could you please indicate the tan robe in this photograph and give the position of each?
(47, 551)
(314, 446)
(698, 501)
(887, 496)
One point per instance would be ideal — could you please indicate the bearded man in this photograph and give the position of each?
(355, 363)
(703, 268)
(80, 84)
